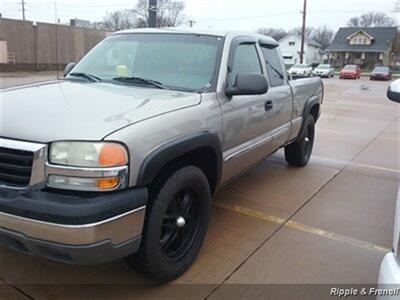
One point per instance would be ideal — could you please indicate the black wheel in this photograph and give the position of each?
(299, 152)
(175, 227)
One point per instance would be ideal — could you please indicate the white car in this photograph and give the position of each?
(324, 70)
(389, 274)
(300, 70)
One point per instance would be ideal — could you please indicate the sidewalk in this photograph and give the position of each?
(21, 78)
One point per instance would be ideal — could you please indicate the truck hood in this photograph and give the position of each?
(66, 110)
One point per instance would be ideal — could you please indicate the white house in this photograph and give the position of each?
(291, 46)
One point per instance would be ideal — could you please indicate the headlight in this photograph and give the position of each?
(88, 154)
(87, 166)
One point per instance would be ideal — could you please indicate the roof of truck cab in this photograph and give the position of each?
(219, 33)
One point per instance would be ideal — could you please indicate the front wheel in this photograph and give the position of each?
(299, 152)
(175, 227)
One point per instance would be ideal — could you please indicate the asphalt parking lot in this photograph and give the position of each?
(328, 223)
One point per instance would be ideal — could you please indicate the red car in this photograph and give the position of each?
(350, 71)
(381, 73)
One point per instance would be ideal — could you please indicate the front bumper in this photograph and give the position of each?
(88, 229)
(379, 77)
(320, 74)
(348, 76)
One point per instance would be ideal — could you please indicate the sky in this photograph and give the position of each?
(212, 14)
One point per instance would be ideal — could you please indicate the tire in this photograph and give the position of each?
(299, 152)
(168, 247)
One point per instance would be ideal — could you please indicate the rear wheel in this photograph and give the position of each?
(175, 227)
(298, 153)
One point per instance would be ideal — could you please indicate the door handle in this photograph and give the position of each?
(268, 106)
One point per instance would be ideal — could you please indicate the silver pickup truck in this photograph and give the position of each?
(121, 157)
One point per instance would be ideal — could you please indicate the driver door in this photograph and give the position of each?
(246, 139)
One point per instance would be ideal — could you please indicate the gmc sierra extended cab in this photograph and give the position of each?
(120, 158)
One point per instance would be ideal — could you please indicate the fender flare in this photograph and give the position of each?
(157, 159)
(307, 110)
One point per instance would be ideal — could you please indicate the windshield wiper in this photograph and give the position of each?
(86, 76)
(139, 80)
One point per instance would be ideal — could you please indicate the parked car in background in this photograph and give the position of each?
(324, 70)
(381, 73)
(389, 273)
(300, 70)
(350, 72)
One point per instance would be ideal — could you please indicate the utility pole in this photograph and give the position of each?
(56, 19)
(23, 9)
(303, 31)
(153, 13)
(191, 23)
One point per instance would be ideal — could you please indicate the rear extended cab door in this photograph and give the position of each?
(279, 95)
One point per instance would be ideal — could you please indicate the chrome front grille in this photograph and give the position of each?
(15, 166)
(22, 164)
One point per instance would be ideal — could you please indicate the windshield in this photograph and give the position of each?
(381, 69)
(299, 66)
(350, 67)
(324, 66)
(177, 61)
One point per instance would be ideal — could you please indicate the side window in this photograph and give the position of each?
(274, 65)
(245, 61)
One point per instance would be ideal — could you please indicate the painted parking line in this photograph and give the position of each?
(354, 164)
(344, 163)
(301, 227)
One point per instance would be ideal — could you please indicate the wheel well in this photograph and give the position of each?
(315, 111)
(204, 158)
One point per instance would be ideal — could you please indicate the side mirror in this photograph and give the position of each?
(68, 68)
(393, 92)
(248, 84)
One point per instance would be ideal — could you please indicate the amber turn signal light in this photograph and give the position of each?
(107, 183)
(112, 154)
